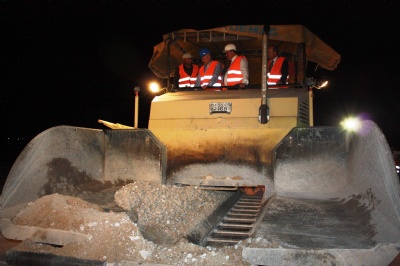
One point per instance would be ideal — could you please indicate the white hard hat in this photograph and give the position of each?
(230, 47)
(187, 55)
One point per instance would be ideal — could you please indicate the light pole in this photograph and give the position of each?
(136, 89)
(311, 82)
(311, 106)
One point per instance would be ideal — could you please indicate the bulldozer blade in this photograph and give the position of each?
(78, 162)
(336, 200)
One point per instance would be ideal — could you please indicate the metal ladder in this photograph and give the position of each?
(237, 224)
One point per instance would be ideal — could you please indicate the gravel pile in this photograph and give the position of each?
(159, 211)
(165, 214)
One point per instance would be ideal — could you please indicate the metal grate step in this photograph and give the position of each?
(238, 226)
(248, 206)
(243, 210)
(249, 200)
(239, 220)
(242, 214)
(222, 240)
(231, 233)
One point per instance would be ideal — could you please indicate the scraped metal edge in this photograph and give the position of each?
(382, 254)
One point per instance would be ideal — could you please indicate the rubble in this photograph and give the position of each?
(159, 211)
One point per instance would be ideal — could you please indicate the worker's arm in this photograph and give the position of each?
(244, 68)
(284, 72)
(216, 74)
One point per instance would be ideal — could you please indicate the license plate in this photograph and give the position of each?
(220, 108)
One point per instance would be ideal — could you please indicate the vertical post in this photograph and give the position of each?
(169, 63)
(304, 63)
(263, 112)
(310, 87)
(310, 106)
(136, 89)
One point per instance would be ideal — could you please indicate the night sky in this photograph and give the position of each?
(72, 63)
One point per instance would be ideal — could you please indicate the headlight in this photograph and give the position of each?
(351, 124)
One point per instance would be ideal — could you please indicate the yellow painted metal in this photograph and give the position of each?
(193, 135)
(190, 110)
(207, 145)
(222, 122)
(114, 125)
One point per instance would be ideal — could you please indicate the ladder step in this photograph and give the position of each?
(239, 206)
(251, 199)
(239, 226)
(240, 220)
(219, 240)
(244, 210)
(237, 223)
(242, 214)
(248, 205)
(230, 233)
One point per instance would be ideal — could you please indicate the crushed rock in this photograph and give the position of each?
(116, 237)
(165, 214)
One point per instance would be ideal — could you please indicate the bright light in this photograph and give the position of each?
(351, 124)
(323, 84)
(154, 87)
(313, 83)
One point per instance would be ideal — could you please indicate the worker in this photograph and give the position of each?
(238, 70)
(186, 73)
(278, 67)
(210, 74)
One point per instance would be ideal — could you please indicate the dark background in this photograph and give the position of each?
(74, 62)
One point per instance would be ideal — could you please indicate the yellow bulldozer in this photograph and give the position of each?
(326, 192)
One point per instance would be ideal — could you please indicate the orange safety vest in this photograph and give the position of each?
(184, 79)
(275, 73)
(206, 77)
(234, 75)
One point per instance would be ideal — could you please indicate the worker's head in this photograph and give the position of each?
(187, 59)
(230, 51)
(272, 52)
(205, 55)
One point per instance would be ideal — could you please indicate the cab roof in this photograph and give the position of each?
(248, 40)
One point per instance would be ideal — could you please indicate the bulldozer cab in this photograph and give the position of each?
(209, 130)
(295, 42)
